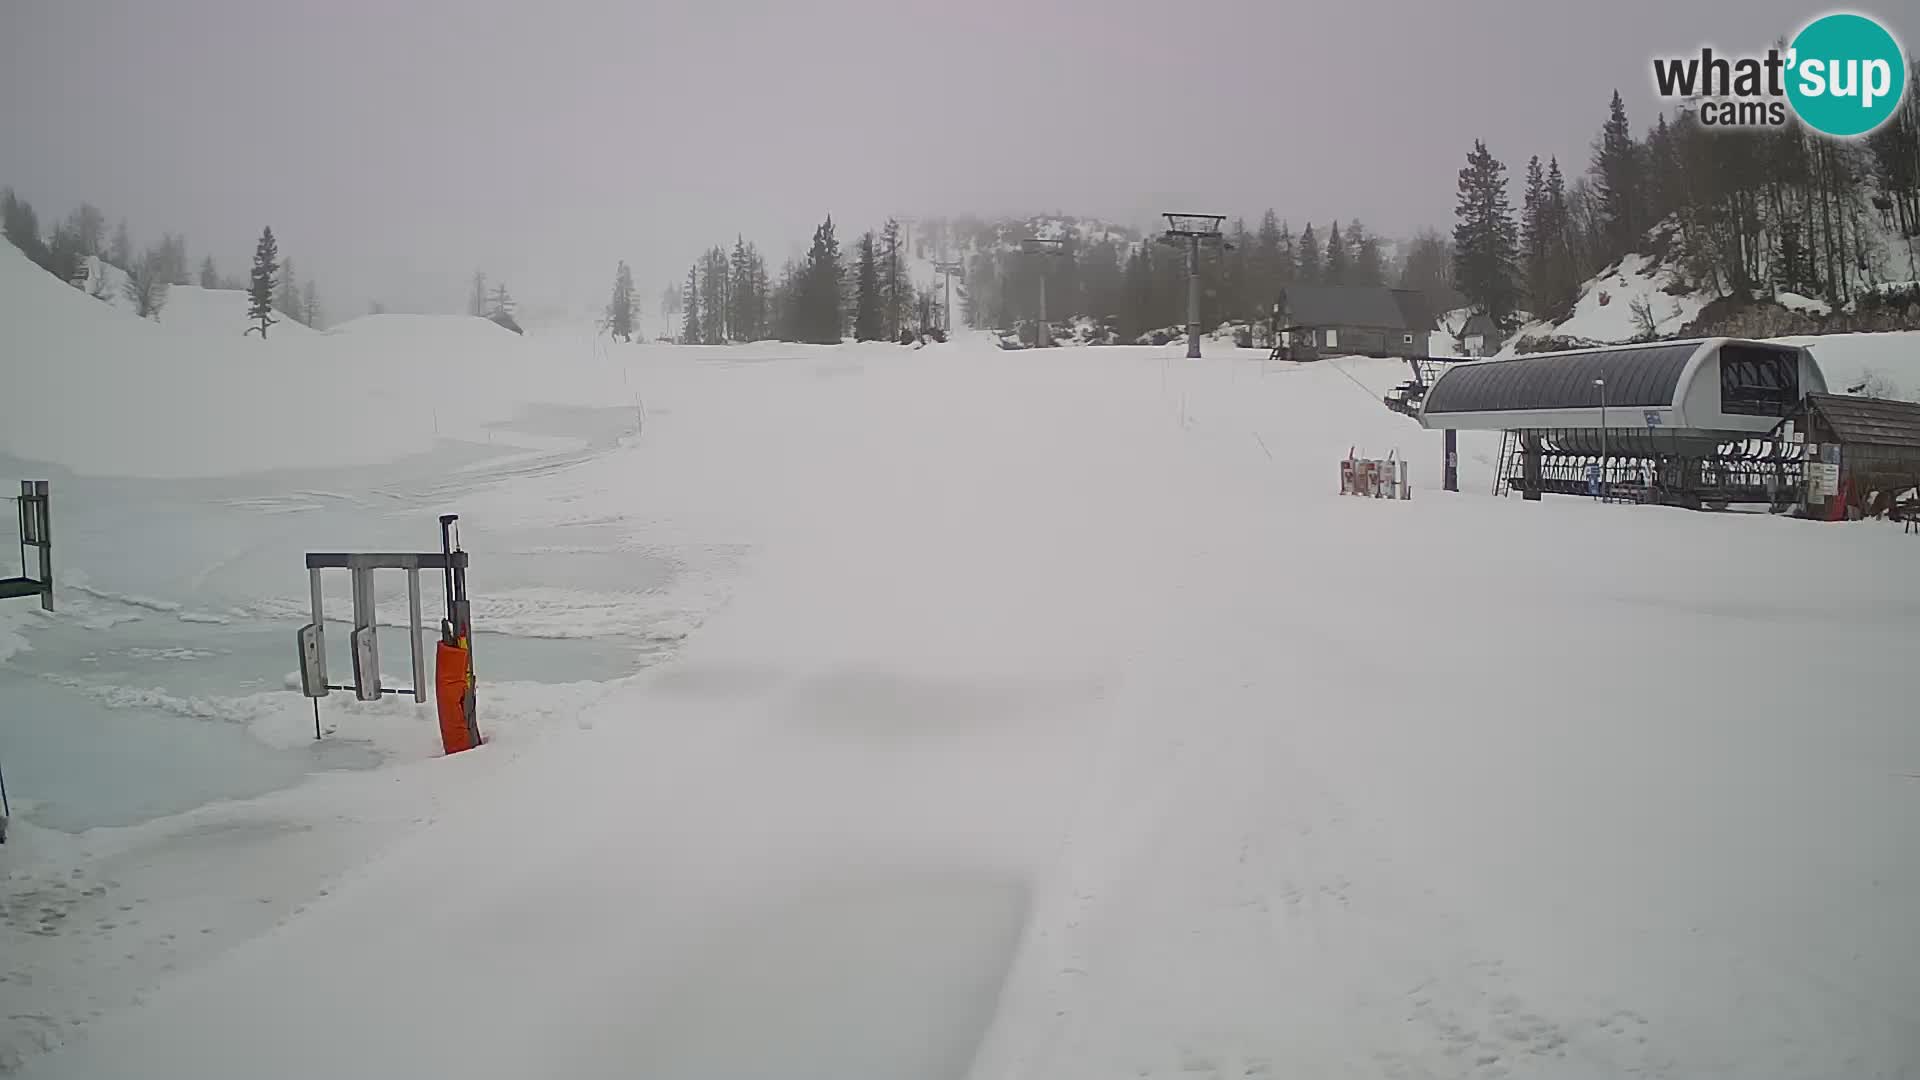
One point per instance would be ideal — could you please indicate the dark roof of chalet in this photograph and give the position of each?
(1357, 305)
(1480, 323)
(1864, 421)
(1636, 375)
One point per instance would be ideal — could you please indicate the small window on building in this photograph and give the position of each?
(1333, 338)
(1407, 340)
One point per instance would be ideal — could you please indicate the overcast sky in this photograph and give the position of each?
(396, 145)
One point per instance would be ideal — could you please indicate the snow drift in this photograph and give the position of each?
(99, 391)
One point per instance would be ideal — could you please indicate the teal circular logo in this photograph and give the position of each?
(1846, 75)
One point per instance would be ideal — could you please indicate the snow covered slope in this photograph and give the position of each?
(1065, 723)
(99, 391)
(188, 309)
(1037, 714)
(1604, 313)
(216, 312)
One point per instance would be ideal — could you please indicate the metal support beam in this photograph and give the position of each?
(1193, 299)
(34, 520)
(45, 506)
(1451, 475)
(1530, 466)
(413, 637)
(1194, 229)
(391, 560)
(365, 638)
(1040, 334)
(1035, 245)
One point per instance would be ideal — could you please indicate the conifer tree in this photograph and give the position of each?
(1337, 259)
(896, 291)
(1288, 264)
(1618, 182)
(262, 284)
(1309, 270)
(714, 288)
(1368, 265)
(1139, 293)
(1485, 237)
(690, 308)
(620, 307)
(22, 226)
(867, 299)
(819, 289)
(1263, 266)
(1561, 274)
(740, 291)
(1534, 230)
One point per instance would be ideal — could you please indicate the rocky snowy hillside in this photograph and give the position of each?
(1667, 290)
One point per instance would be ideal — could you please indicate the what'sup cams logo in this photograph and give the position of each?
(1843, 75)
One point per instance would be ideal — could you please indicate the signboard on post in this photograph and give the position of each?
(1653, 417)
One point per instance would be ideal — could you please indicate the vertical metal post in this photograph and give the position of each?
(1193, 298)
(1602, 384)
(319, 620)
(23, 513)
(1530, 466)
(450, 633)
(365, 640)
(44, 507)
(1452, 473)
(413, 635)
(1040, 331)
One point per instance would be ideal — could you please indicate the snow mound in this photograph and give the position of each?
(96, 390)
(191, 309)
(1795, 302)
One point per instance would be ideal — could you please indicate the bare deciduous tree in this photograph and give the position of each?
(147, 283)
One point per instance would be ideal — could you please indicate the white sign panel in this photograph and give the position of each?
(1823, 481)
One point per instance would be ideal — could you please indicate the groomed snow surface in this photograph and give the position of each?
(871, 712)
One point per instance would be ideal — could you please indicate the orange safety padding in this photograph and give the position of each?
(1837, 509)
(452, 678)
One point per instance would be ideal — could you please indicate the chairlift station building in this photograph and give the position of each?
(1693, 423)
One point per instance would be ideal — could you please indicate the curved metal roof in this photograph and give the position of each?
(1636, 375)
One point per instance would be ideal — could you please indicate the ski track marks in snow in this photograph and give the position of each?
(1062, 729)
